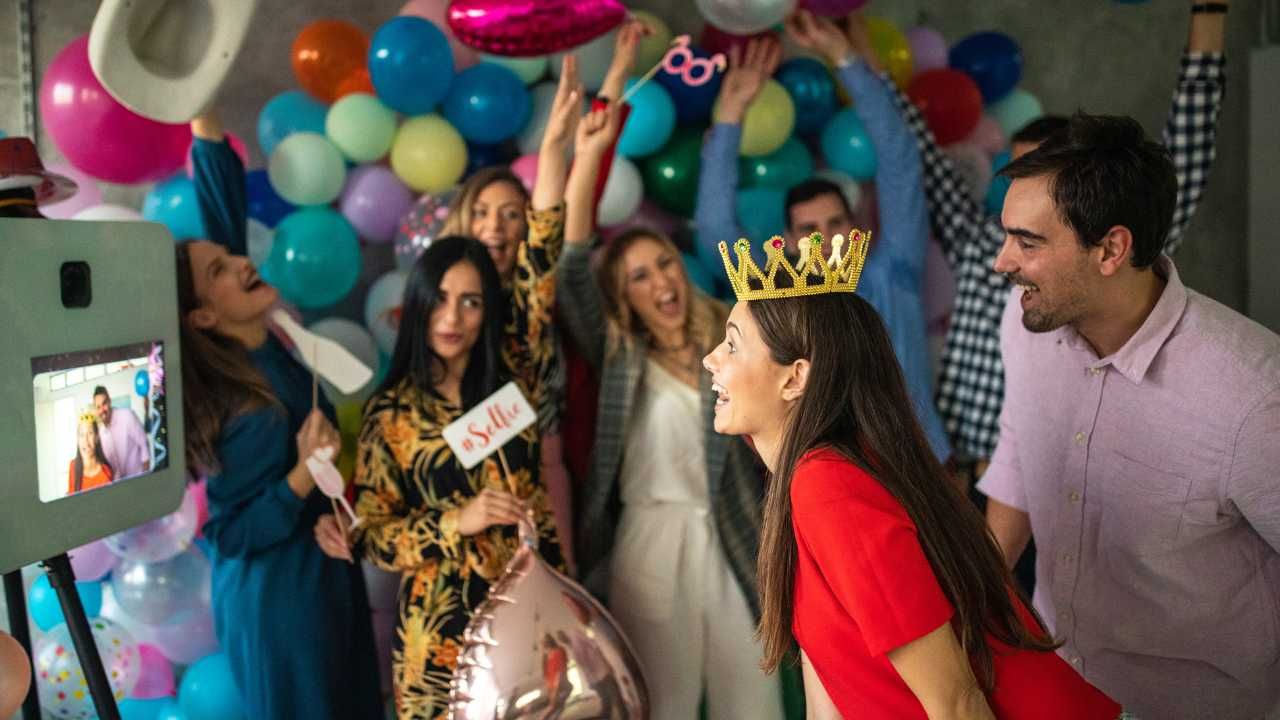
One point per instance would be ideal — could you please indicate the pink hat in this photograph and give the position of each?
(20, 167)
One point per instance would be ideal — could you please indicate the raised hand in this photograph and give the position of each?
(819, 34)
(597, 131)
(749, 69)
(565, 108)
(625, 48)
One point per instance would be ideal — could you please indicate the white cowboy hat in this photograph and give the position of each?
(165, 59)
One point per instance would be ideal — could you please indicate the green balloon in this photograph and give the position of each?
(671, 174)
(787, 166)
(361, 126)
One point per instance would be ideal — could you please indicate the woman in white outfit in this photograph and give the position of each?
(670, 511)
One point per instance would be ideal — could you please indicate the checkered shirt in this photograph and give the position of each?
(971, 386)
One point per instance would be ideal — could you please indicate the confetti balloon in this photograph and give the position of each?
(60, 681)
(421, 226)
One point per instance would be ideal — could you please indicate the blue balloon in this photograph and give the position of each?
(264, 204)
(315, 259)
(812, 90)
(154, 709)
(172, 203)
(992, 59)
(488, 103)
(142, 382)
(285, 114)
(761, 214)
(410, 64)
(483, 155)
(46, 611)
(847, 147)
(698, 275)
(693, 102)
(208, 691)
(650, 123)
(994, 200)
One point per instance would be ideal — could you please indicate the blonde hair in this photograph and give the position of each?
(458, 221)
(705, 318)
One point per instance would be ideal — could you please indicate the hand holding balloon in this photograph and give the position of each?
(749, 70)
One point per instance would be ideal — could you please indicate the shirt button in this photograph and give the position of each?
(1080, 438)
(1095, 371)
(1074, 496)
(1067, 558)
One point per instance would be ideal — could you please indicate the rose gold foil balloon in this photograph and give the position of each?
(15, 675)
(518, 28)
(541, 647)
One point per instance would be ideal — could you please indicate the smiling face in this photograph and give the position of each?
(825, 213)
(752, 389)
(228, 288)
(654, 286)
(457, 319)
(497, 220)
(87, 441)
(1045, 258)
(102, 406)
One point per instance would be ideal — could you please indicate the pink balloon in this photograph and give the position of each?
(526, 168)
(197, 492)
(988, 135)
(93, 561)
(928, 48)
(236, 144)
(832, 8)
(156, 678)
(88, 194)
(99, 135)
(527, 29)
(436, 12)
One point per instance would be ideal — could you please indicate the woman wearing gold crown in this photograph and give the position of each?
(670, 511)
(870, 560)
(89, 469)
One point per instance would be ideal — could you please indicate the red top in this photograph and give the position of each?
(863, 587)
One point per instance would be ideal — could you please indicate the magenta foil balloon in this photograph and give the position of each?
(527, 28)
(832, 8)
(541, 647)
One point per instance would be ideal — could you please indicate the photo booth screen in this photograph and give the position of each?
(100, 417)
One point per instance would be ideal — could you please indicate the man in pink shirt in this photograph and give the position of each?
(124, 442)
(1139, 439)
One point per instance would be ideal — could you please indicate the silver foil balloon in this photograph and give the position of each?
(541, 647)
(745, 17)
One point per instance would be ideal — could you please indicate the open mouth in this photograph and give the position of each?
(669, 303)
(722, 395)
(253, 281)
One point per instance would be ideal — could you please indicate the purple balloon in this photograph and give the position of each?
(374, 200)
(928, 49)
(832, 8)
(93, 561)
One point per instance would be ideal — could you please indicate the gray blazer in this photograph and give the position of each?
(734, 473)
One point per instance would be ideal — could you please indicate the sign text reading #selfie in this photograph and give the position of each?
(489, 425)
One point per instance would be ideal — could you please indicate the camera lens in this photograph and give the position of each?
(76, 285)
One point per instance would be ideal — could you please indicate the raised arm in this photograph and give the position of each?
(1191, 130)
(715, 217)
(623, 63)
(218, 175)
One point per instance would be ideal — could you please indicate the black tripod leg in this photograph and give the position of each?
(63, 581)
(18, 628)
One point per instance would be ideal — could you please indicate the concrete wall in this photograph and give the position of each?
(1098, 55)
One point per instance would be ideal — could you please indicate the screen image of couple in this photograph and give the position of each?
(100, 417)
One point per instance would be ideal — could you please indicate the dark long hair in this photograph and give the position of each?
(97, 454)
(413, 356)
(219, 380)
(855, 402)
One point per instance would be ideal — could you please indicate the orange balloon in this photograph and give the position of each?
(357, 82)
(15, 675)
(325, 53)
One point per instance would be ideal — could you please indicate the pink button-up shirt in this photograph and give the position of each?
(1152, 478)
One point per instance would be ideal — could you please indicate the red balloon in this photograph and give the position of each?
(518, 28)
(714, 40)
(325, 54)
(950, 101)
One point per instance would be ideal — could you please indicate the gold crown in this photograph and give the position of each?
(840, 274)
(88, 415)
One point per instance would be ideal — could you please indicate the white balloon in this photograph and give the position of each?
(357, 341)
(381, 308)
(108, 211)
(848, 186)
(745, 17)
(259, 239)
(623, 192)
(530, 138)
(593, 60)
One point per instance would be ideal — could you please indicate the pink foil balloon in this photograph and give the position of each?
(88, 193)
(99, 135)
(519, 28)
(928, 48)
(541, 646)
(436, 12)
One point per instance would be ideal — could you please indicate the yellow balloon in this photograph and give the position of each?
(653, 47)
(892, 48)
(769, 120)
(428, 154)
(349, 421)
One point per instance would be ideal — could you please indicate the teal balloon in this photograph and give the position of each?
(46, 611)
(315, 259)
(994, 200)
(307, 169)
(698, 275)
(652, 119)
(208, 691)
(488, 103)
(811, 88)
(153, 709)
(847, 147)
(410, 64)
(361, 127)
(787, 166)
(285, 114)
(1016, 110)
(761, 213)
(173, 204)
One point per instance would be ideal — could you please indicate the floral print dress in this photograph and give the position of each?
(410, 490)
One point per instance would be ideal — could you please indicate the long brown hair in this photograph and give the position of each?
(704, 323)
(97, 454)
(856, 403)
(218, 379)
(458, 221)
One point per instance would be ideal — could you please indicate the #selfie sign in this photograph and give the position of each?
(490, 425)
